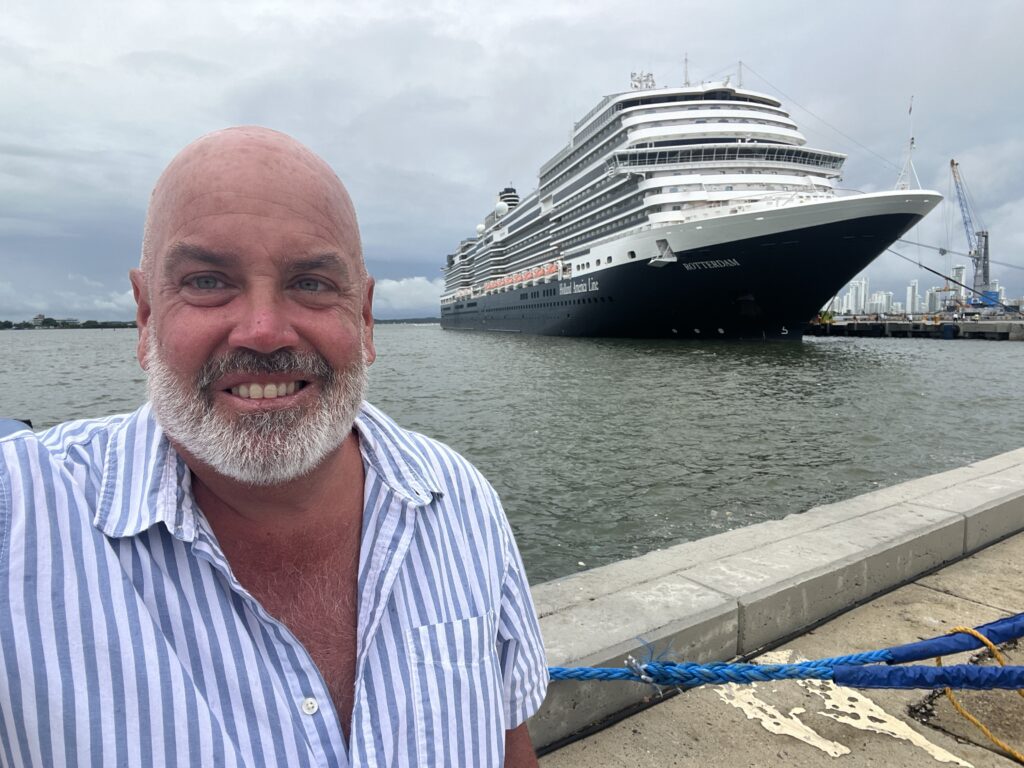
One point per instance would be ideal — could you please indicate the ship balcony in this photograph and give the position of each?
(709, 115)
(767, 168)
(712, 132)
(717, 208)
(746, 156)
(724, 193)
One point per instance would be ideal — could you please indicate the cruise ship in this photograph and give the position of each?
(693, 212)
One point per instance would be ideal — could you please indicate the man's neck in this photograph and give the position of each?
(321, 500)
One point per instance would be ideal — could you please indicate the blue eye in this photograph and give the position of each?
(206, 282)
(310, 284)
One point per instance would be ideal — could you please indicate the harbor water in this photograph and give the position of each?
(605, 449)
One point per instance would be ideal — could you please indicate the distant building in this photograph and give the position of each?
(880, 303)
(855, 300)
(913, 302)
(38, 320)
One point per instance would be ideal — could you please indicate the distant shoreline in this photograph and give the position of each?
(408, 321)
(88, 325)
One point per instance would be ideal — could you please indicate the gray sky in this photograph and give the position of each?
(426, 109)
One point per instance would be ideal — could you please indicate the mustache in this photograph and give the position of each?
(286, 361)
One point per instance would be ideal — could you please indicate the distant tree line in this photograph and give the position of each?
(49, 322)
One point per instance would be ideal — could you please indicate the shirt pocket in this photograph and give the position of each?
(456, 691)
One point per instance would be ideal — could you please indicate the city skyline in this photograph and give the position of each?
(856, 296)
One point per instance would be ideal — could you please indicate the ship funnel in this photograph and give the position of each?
(509, 196)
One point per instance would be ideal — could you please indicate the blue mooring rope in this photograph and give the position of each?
(850, 670)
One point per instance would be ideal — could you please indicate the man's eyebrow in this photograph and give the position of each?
(180, 252)
(317, 261)
(184, 252)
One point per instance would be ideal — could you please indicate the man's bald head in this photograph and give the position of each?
(220, 168)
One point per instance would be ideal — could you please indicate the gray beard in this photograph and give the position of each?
(264, 448)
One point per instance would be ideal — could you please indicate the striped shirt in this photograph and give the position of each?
(126, 640)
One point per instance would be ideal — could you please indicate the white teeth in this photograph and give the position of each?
(265, 391)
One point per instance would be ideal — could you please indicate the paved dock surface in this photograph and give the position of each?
(812, 723)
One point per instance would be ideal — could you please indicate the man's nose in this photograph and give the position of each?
(263, 323)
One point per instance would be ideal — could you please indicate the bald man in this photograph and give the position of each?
(257, 567)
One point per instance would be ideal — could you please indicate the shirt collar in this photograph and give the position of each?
(145, 481)
(397, 456)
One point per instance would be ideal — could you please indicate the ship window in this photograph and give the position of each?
(609, 260)
(632, 254)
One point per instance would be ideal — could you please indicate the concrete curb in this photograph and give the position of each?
(739, 591)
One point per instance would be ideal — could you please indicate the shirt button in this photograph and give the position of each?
(309, 706)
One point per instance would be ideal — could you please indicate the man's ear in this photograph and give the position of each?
(142, 313)
(370, 351)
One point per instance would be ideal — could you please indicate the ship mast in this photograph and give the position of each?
(908, 170)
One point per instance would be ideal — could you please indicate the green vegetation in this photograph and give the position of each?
(40, 323)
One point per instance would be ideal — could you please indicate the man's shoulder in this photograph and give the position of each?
(63, 440)
(421, 457)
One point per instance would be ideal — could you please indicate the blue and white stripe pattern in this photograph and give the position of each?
(125, 639)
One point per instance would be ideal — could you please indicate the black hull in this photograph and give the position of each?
(759, 288)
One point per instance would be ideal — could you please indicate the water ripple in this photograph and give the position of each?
(604, 449)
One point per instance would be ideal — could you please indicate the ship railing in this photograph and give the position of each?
(731, 153)
(600, 105)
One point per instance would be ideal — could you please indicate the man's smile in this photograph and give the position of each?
(269, 391)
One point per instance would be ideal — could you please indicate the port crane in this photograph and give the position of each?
(977, 238)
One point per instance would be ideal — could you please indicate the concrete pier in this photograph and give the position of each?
(767, 587)
(995, 330)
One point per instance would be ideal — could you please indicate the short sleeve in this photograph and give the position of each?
(520, 647)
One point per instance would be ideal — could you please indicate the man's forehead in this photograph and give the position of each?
(184, 255)
(213, 169)
(252, 171)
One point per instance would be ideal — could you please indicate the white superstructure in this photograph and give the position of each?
(647, 158)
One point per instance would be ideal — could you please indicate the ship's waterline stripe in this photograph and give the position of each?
(735, 593)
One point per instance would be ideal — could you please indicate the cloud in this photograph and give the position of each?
(93, 303)
(166, 64)
(84, 280)
(426, 109)
(408, 297)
